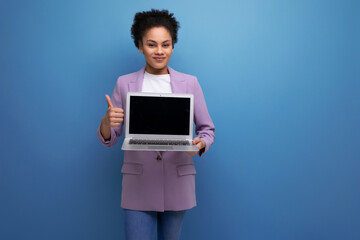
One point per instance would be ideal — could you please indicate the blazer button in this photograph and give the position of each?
(159, 158)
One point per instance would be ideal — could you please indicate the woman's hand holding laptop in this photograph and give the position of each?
(199, 143)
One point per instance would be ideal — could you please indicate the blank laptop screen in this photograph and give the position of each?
(159, 115)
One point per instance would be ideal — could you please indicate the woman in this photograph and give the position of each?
(157, 187)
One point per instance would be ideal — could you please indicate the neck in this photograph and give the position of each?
(155, 71)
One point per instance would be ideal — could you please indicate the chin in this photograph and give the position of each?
(158, 67)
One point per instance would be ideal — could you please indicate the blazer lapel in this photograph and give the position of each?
(178, 84)
(135, 85)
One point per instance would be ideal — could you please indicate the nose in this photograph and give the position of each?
(159, 50)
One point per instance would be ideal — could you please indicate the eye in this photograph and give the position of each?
(166, 45)
(151, 45)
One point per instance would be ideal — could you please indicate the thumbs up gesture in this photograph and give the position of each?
(114, 116)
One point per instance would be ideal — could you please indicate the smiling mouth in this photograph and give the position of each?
(159, 58)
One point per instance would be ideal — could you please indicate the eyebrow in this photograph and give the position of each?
(156, 42)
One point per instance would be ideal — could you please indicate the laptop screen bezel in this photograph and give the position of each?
(156, 136)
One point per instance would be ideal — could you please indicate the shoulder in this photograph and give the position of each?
(184, 76)
(191, 80)
(130, 77)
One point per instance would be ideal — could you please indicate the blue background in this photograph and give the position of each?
(281, 80)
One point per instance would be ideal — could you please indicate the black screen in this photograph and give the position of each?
(159, 115)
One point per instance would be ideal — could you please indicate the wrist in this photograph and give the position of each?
(105, 130)
(104, 122)
(203, 144)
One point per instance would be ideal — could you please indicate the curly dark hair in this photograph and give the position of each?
(143, 21)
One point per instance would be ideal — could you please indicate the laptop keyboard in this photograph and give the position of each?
(158, 142)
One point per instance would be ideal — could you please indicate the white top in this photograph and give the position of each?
(156, 83)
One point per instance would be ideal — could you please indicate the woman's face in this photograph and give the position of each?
(157, 48)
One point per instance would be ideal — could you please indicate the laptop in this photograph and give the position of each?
(159, 122)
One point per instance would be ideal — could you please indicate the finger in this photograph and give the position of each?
(116, 120)
(119, 110)
(115, 114)
(108, 101)
(196, 140)
(116, 110)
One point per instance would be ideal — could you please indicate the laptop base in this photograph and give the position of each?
(144, 147)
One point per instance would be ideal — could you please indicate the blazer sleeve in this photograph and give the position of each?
(204, 125)
(116, 132)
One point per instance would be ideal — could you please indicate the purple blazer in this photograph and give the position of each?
(160, 181)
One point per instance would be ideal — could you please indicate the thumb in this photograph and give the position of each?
(108, 101)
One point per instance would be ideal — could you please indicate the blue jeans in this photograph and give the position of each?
(141, 225)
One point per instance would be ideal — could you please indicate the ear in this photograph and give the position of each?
(141, 49)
